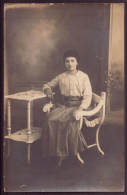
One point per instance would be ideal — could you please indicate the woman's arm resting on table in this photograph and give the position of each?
(47, 88)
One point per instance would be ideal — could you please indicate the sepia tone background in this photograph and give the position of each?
(41, 34)
(36, 36)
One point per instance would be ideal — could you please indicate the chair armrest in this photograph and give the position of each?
(91, 112)
(47, 107)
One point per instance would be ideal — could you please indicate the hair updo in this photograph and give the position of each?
(71, 53)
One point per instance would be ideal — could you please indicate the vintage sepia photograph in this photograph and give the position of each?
(64, 97)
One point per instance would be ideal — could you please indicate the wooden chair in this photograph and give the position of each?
(98, 111)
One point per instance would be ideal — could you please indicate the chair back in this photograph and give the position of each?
(96, 99)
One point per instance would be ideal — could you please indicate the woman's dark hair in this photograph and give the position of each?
(71, 53)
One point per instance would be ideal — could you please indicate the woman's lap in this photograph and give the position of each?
(60, 133)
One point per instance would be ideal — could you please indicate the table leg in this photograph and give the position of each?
(8, 127)
(8, 148)
(9, 118)
(28, 153)
(31, 114)
(28, 121)
(28, 129)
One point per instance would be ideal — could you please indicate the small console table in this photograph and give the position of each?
(30, 134)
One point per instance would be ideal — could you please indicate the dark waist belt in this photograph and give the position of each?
(72, 98)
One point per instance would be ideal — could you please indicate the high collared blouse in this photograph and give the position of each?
(73, 85)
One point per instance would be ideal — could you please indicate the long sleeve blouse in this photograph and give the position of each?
(73, 85)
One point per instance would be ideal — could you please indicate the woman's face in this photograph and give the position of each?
(71, 63)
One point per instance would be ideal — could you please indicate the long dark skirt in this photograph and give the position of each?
(61, 136)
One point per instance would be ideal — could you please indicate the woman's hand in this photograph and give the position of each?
(49, 93)
(77, 112)
(47, 107)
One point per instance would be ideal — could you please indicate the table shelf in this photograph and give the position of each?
(21, 135)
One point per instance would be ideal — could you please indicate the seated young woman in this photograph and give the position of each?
(61, 137)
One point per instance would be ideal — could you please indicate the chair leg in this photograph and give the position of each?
(79, 158)
(97, 141)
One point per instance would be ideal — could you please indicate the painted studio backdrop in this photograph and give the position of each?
(35, 39)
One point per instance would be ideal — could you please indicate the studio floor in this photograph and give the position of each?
(99, 173)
